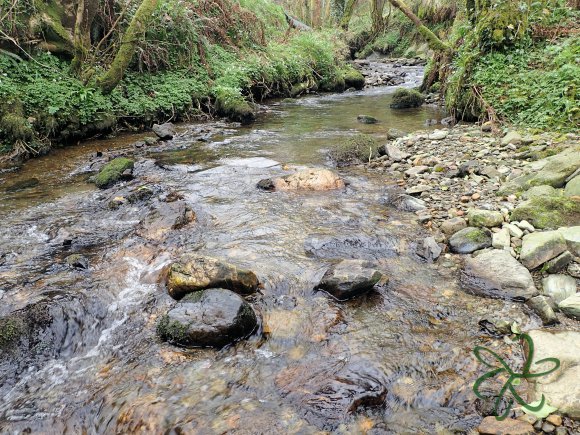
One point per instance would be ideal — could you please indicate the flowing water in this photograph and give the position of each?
(397, 360)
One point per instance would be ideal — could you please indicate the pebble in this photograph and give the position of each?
(554, 419)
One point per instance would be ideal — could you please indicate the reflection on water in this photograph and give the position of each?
(395, 360)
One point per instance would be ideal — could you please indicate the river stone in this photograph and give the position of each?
(536, 191)
(573, 187)
(366, 119)
(559, 287)
(429, 249)
(354, 246)
(559, 263)
(394, 153)
(164, 131)
(438, 135)
(484, 218)
(77, 261)
(541, 306)
(114, 171)
(512, 137)
(562, 387)
(496, 274)
(470, 239)
(196, 272)
(416, 170)
(349, 278)
(537, 248)
(308, 179)
(572, 237)
(453, 225)
(214, 317)
(394, 133)
(501, 239)
(571, 306)
(401, 201)
(164, 218)
(491, 426)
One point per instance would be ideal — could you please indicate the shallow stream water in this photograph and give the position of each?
(397, 360)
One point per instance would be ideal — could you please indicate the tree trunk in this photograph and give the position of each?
(134, 33)
(434, 42)
(377, 16)
(347, 14)
(86, 12)
(337, 10)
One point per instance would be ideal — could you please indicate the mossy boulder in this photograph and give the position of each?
(214, 317)
(113, 171)
(355, 150)
(353, 79)
(484, 218)
(235, 107)
(406, 98)
(573, 187)
(469, 240)
(548, 211)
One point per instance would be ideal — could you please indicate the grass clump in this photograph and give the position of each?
(355, 150)
(406, 98)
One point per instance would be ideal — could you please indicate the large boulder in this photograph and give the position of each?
(573, 187)
(164, 131)
(537, 248)
(406, 98)
(213, 317)
(469, 240)
(194, 272)
(562, 387)
(496, 274)
(308, 179)
(349, 278)
(548, 211)
(115, 170)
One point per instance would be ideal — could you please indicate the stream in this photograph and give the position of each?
(396, 360)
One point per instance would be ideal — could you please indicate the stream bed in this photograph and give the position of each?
(396, 360)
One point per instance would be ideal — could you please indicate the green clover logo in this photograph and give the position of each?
(513, 377)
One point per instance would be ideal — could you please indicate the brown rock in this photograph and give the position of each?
(554, 419)
(308, 179)
(491, 426)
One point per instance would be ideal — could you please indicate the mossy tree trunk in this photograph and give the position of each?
(377, 7)
(86, 12)
(337, 9)
(347, 14)
(136, 30)
(434, 42)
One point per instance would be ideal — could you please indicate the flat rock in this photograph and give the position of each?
(308, 179)
(194, 272)
(501, 239)
(453, 225)
(349, 278)
(213, 317)
(559, 287)
(571, 306)
(394, 153)
(470, 239)
(438, 135)
(537, 248)
(562, 387)
(536, 191)
(355, 246)
(416, 170)
(491, 426)
(496, 274)
(512, 137)
(484, 218)
(572, 237)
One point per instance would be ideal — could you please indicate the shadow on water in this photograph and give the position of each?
(395, 360)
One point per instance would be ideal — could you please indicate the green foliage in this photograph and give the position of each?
(357, 149)
(405, 98)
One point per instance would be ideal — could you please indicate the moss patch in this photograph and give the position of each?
(353, 78)
(172, 330)
(11, 330)
(112, 172)
(406, 98)
(358, 149)
(548, 212)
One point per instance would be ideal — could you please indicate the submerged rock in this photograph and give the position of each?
(308, 179)
(491, 426)
(164, 131)
(562, 387)
(114, 171)
(469, 240)
(401, 201)
(197, 272)
(537, 248)
(351, 246)
(496, 274)
(349, 278)
(214, 317)
(165, 217)
(366, 119)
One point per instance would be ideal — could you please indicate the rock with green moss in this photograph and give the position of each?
(484, 218)
(406, 98)
(357, 149)
(367, 119)
(540, 247)
(548, 211)
(353, 79)
(114, 171)
(512, 137)
(210, 318)
(194, 272)
(11, 330)
(469, 240)
(536, 191)
(235, 107)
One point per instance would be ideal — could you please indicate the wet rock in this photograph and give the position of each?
(470, 239)
(196, 272)
(484, 218)
(449, 121)
(496, 274)
(429, 249)
(571, 306)
(453, 225)
(512, 137)
(501, 239)
(164, 131)
(399, 200)
(491, 426)
(22, 185)
(573, 187)
(77, 261)
(548, 211)
(394, 153)
(394, 133)
(352, 246)
(366, 119)
(537, 248)
(214, 317)
(559, 263)
(572, 237)
(559, 287)
(113, 172)
(164, 217)
(349, 278)
(562, 387)
(309, 179)
(541, 306)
